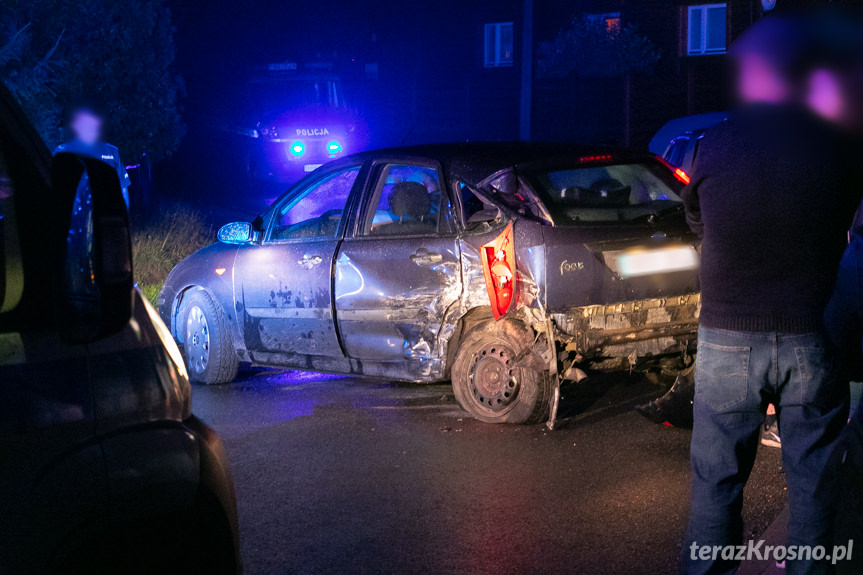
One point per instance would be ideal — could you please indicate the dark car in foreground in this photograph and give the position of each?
(504, 267)
(103, 466)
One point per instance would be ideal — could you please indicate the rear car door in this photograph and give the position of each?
(284, 284)
(398, 272)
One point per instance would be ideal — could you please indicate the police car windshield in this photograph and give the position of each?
(608, 192)
(277, 96)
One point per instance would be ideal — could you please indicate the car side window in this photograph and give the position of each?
(406, 201)
(470, 202)
(11, 274)
(317, 211)
(474, 209)
(677, 150)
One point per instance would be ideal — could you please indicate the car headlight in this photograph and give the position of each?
(270, 132)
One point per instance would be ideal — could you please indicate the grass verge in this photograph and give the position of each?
(159, 244)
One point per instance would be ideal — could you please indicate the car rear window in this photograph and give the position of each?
(608, 192)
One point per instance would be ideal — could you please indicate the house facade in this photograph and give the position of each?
(473, 72)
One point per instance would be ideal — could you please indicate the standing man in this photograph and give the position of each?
(772, 195)
(85, 124)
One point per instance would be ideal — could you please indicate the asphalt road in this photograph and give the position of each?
(344, 475)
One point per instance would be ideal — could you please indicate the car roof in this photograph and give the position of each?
(475, 161)
(679, 126)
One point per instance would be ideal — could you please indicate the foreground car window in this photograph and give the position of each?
(79, 264)
(608, 193)
(11, 280)
(317, 211)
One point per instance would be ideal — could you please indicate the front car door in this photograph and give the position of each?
(283, 285)
(398, 272)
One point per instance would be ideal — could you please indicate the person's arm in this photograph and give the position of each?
(693, 209)
(691, 201)
(125, 180)
(843, 316)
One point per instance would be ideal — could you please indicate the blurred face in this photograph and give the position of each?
(824, 95)
(86, 127)
(831, 95)
(759, 82)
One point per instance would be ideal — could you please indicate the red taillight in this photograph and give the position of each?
(681, 175)
(498, 265)
(678, 173)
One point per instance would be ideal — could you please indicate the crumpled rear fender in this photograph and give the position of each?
(474, 305)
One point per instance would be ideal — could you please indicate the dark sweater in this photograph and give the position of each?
(772, 195)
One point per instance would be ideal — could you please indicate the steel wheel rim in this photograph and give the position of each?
(493, 379)
(197, 341)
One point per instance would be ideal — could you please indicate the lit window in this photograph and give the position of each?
(498, 45)
(706, 29)
(610, 21)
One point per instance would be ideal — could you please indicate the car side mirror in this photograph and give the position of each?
(94, 273)
(236, 233)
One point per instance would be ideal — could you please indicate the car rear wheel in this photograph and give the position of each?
(495, 377)
(207, 345)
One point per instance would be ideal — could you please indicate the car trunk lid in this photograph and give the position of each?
(593, 265)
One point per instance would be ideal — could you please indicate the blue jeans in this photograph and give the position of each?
(737, 374)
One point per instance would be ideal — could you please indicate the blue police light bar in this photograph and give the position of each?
(334, 147)
(297, 148)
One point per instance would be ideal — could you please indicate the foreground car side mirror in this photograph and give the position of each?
(94, 272)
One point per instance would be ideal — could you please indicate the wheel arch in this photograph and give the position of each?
(222, 297)
(464, 324)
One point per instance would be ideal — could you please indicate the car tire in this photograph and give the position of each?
(490, 385)
(207, 345)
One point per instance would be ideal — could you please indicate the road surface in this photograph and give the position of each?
(345, 475)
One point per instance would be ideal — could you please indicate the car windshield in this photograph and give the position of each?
(276, 96)
(608, 193)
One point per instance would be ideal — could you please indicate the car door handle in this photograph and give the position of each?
(309, 262)
(423, 257)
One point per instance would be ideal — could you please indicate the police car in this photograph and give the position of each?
(300, 120)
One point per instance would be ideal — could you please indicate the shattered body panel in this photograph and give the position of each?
(396, 307)
(655, 327)
(391, 298)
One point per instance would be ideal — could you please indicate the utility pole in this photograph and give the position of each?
(526, 70)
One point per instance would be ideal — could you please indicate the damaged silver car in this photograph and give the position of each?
(506, 268)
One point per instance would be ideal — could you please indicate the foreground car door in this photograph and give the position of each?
(283, 285)
(398, 273)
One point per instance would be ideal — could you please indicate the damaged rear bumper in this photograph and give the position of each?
(631, 329)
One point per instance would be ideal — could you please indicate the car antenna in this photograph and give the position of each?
(408, 135)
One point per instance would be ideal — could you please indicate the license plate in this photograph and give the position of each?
(661, 261)
(311, 167)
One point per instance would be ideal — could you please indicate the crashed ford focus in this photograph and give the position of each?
(506, 268)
